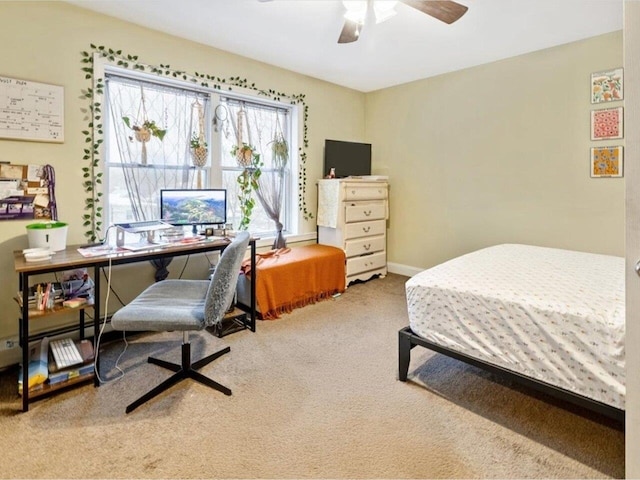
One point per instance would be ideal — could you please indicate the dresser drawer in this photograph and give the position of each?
(366, 262)
(369, 191)
(364, 229)
(361, 212)
(354, 248)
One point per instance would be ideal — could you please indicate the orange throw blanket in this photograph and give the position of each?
(294, 277)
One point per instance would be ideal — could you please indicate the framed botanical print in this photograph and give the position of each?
(606, 161)
(606, 123)
(607, 86)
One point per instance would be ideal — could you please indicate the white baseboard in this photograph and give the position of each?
(406, 270)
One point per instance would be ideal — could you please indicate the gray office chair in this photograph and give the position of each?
(185, 305)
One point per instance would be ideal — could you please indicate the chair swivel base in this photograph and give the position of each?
(183, 371)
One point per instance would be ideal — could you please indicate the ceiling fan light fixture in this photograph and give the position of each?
(384, 9)
(357, 10)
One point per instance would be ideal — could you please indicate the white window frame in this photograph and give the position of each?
(103, 66)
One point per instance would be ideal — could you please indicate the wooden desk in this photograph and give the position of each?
(70, 258)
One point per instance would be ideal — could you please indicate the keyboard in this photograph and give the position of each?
(144, 226)
(65, 353)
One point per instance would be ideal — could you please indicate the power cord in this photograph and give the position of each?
(186, 262)
(104, 324)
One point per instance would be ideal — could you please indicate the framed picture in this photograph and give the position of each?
(606, 161)
(607, 86)
(606, 123)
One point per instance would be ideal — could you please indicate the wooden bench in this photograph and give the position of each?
(292, 278)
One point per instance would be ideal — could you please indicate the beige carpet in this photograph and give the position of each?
(315, 395)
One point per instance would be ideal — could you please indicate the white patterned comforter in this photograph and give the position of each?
(554, 315)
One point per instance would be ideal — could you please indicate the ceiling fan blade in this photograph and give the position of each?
(445, 11)
(350, 32)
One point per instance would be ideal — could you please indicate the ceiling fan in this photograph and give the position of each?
(359, 10)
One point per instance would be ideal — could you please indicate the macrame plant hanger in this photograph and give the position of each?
(143, 134)
(243, 155)
(199, 151)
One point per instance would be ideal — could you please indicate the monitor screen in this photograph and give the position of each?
(347, 158)
(194, 207)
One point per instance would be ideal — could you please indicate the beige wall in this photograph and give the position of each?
(42, 41)
(497, 153)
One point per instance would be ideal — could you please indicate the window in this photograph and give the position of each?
(139, 164)
(260, 126)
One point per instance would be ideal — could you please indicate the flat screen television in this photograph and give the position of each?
(348, 158)
(196, 207)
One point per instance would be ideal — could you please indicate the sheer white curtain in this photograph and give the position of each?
(136, 170)
(266, 129)
(141, 169)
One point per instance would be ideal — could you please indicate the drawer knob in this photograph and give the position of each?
(366, 229)
(367, 213)
(367, 247)
(353, 192)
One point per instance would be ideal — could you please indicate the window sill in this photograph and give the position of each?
(291, 238)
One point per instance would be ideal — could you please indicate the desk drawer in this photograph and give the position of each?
(366, 263)
(365, 229)
(361, 212)
(354, 248)
(369, 191)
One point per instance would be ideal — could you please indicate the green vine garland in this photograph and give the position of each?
(92, 176)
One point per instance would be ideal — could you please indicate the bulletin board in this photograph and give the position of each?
(31, 111)
(27, 192)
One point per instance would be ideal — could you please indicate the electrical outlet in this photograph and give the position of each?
(9, 343)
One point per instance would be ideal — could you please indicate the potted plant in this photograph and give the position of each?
(280, 151)
(243, 154)
(144, 132)
(247, 180)
(199, 150)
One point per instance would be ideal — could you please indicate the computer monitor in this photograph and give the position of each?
(194, 207)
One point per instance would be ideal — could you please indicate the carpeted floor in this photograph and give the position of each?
(315, 395)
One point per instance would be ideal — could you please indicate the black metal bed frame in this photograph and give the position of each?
(407, 340)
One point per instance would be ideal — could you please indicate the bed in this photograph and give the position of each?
(549, 318)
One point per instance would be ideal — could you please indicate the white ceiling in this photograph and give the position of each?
(301, 35)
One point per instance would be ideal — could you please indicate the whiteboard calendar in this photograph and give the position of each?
(31, 111)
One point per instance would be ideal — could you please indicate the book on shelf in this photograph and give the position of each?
(38, 371)
(70, 373)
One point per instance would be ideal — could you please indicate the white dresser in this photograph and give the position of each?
(352, 215)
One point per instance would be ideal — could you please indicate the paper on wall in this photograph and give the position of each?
(9, 188)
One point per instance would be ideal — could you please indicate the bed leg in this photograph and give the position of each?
(404, 355)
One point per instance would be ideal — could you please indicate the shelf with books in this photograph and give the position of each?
(47, 388)
(45, 376)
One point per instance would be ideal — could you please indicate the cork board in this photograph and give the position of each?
(26, 192)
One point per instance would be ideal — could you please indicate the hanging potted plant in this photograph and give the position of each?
(199, 151)
(143, 134)
(280, 151)
(146, 130)
(247, 180)
(243, 154)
